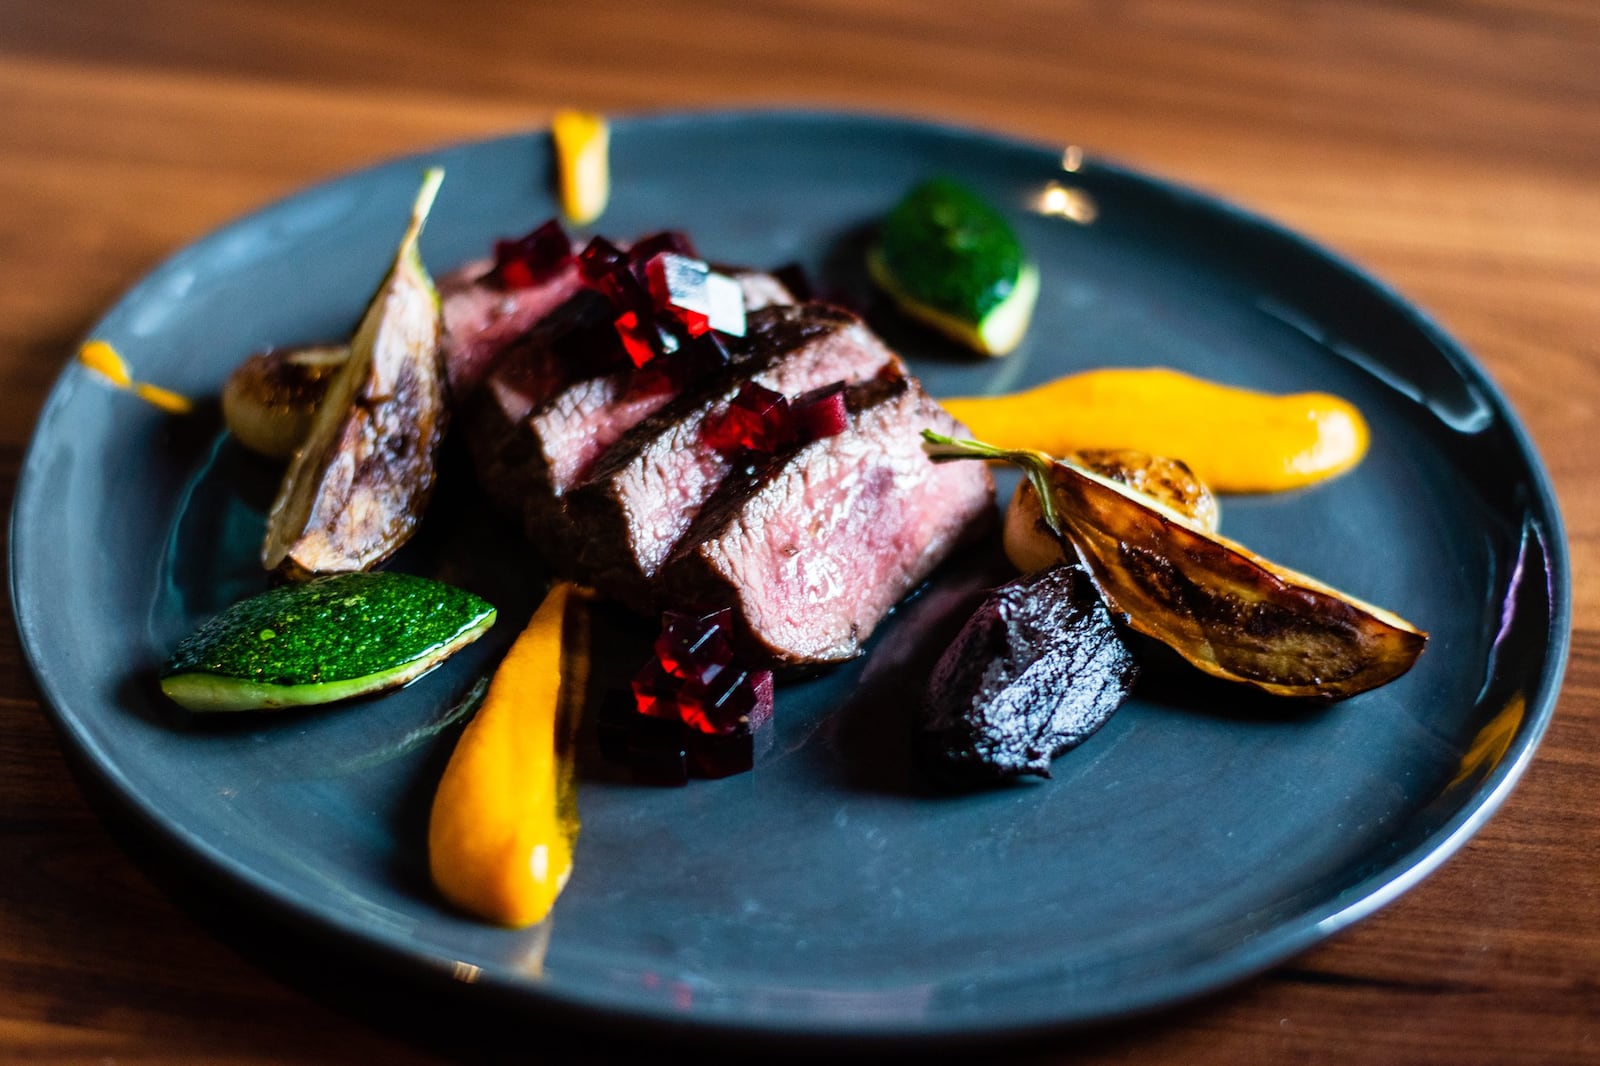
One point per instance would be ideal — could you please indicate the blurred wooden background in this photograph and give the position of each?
(1451, 147)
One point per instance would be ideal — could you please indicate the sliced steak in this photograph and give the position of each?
(527, 375)
(619, 526)
(814, 548)
(481, 319)
(556, 398)
(572, 429)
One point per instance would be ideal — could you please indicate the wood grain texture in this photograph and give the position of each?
(1451, 147)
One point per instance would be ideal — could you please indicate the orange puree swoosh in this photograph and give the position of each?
(1236, 440)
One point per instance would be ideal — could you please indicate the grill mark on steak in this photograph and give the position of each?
(813, 549)
(620, 525)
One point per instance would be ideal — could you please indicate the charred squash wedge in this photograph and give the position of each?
(1225, 610)
(355, 490)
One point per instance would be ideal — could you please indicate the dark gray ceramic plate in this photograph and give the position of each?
(1200, 837)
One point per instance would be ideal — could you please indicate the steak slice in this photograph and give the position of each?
(526, 376)
(619, 526)
(481, 319)
(576, 425)
(559, 396)
(812, 549)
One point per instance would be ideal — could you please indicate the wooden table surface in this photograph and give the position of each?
(1451, 147)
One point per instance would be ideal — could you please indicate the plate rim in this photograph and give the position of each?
(1281, 942)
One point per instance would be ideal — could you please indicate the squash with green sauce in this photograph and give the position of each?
(951, 261)
(329, 639)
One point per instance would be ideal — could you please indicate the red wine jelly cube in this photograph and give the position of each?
(714, 755)
(820, 413)
(600, 259)
(693, 647)
(538, 256)
(725, 304)
(674, 241)
(639, 339)
(756, 420)
(655, 692)
(733, 700)
(678, 286)
(723, 754)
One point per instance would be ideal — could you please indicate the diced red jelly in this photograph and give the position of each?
(820, 413)
(671, 240)
(638, 338)
(694, 710)
(721, 754)
(599, 260)
(625, 293)
(655, 692)
(528, 260)
(712, 755)
(701, 706)
(725, 305)
(757, 420)
(695, 647)
(734, 699)
(678, 285)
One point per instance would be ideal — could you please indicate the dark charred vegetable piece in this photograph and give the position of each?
(356, 489)
(1034, 672)
(1225, 610)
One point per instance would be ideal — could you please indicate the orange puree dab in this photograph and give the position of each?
(583, 164)
(504, 819)
(105, 361)
(1236, 440)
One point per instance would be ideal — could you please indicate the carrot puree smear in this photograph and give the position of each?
(1236, 440)
(104, 360)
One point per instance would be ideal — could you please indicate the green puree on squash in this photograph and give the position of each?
(952, 261)
(329, 639)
